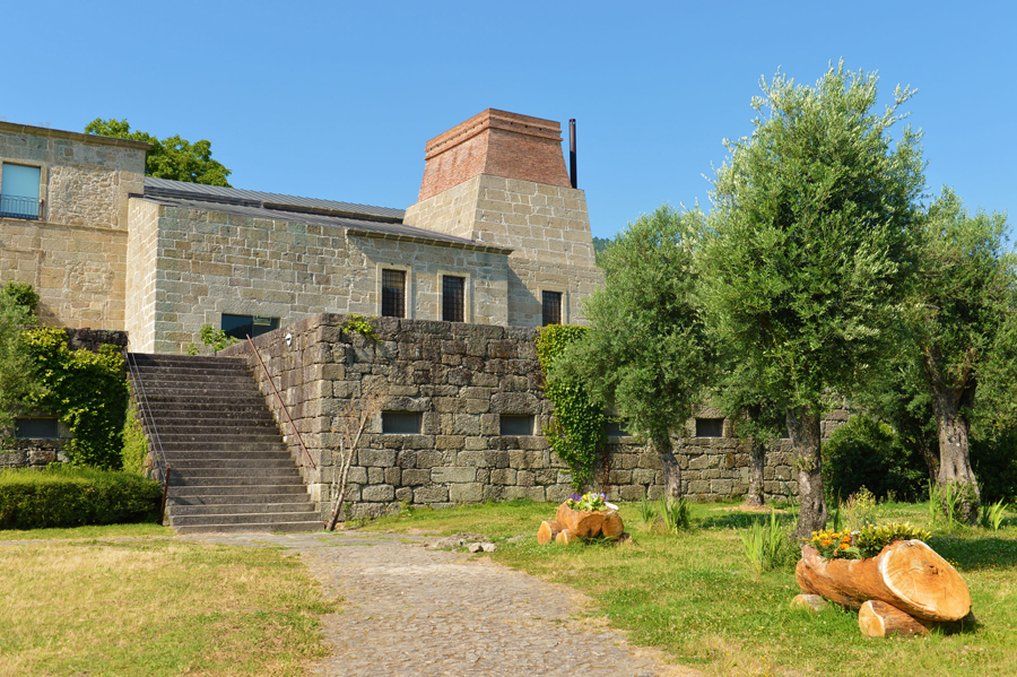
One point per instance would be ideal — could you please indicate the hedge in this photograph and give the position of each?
(66, 496)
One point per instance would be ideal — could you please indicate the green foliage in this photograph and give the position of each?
(216, 339)
(171, 158)
(991, 516)
(20, 294)
(647, 512)
(860, 509)
(87, 390)
(19, 383)
(600, 245)
(814, 227)
(358, 324)
(768, 545)
(135, 452)
(946, 502)
(871, 539)
(62, 496)
(648, 353)
(864, 452)
(576, 432)
(591, 500)
(676, 514)
(995, 464)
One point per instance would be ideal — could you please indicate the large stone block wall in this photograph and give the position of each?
(461, 378)
(212, 262)
(75, 253)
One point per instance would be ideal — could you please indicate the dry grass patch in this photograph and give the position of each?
(154, 605)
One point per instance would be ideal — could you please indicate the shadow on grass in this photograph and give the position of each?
(742, 520)
(981, 552)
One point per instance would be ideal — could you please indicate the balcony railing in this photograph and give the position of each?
(19, 207)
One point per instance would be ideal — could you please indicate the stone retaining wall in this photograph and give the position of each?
(461, 379)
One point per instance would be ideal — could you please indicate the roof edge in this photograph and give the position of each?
(18, 128)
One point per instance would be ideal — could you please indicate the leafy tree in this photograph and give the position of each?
(963, 300)
(813, 231)
(171, 158)
(599, 245)
(648, 355)
(18, 383)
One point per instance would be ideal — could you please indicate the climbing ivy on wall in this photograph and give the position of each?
(87, 390)
(576, 433)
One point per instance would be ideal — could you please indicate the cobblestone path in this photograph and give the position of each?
(409, 610)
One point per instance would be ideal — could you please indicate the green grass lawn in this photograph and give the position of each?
(694, 596)
(134, 600)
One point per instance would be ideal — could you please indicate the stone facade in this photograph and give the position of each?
(75, 253)
(461, 379)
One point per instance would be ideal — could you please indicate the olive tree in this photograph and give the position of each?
(963, 298)
(812, 233)
(648, 355)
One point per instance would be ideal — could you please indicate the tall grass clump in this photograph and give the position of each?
(768, 544)
(991, 516)
(675, 513)
(647, 512)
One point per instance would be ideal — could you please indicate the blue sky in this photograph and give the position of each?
(336, 100)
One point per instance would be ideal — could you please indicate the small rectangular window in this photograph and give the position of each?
(393, 293)
(551, 305)
(36, 429)
(453, 298)
(19, 191)
(615, 429)
(400, 422)
(516, 424)
(242, 326)
(709, 427)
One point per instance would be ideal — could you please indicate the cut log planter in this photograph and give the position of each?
(569, 525)
(901, 591)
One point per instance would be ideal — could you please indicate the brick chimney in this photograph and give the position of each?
(498, 143)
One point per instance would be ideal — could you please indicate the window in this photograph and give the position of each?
(19, 191)
(393, 293)
(551, 302)
(400, 422)
(36, 429)
(615, 429)
(709, 427)
(242, 326)
(453, 298)
(516, 424)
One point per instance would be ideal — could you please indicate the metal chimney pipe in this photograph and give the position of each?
(573, 171)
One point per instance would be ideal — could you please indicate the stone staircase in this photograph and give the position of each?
(230, 469)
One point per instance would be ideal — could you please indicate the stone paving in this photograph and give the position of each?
(410, 610)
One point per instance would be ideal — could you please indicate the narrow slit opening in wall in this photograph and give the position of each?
(400, 422)
(516, 424)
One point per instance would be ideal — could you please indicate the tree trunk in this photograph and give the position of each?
(804, 426)
(661, 443)
(954, 455)
(757, 457)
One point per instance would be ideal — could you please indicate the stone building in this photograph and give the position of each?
(498, 236)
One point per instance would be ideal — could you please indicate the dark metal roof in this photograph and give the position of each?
(356, 226)
(253, 198)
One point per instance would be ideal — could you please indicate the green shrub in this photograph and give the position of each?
(64, 496)
(867, 453)
(576, 433)
(991, 516)
(135, 450)
(676, 513)
(87, 390)
(768, 544)
(20, 294)
(860, 509)
(216, 339)
(871, 539)
(995, 466)
(647, 512)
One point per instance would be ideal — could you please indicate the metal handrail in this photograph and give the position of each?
(148, 421)
(268, 375)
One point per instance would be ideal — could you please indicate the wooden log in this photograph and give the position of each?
(908, 575)
(547, 530)
(612, 526)
(564, 537)
(879, 619)
(582, 523)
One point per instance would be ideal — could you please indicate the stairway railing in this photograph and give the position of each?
(282, 403)
(151, 430)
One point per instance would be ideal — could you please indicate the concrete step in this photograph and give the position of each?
(143, 360)
(199, 400)
(315, 525)
(234, 499)
(242, 477)
(252, 507)
(238, 428)
(244, 518)
(180, 413)
(235, 445)
(174, 456)
(189, 465)
(235, 489)
(237, 440)
(167, 377)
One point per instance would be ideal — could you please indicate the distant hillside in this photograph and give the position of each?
(599, 245)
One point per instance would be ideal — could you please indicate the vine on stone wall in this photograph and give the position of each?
(87, 390)
(576, 432)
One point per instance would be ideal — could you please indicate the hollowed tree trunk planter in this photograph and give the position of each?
(569, 524)
(907, 575)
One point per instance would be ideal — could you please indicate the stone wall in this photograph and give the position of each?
(75, 253)
(461, 378)
(202, 262)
